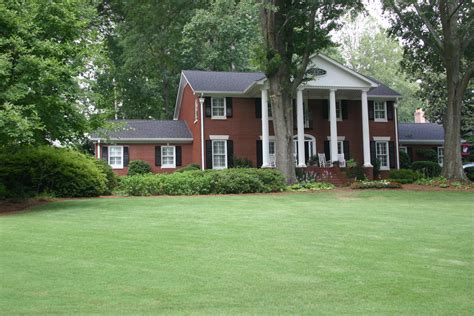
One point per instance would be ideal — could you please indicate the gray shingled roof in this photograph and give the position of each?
(420, 132)
(216, 81)
(147, 129)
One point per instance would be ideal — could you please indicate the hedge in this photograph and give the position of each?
(429, 169)
(204, 182)
(29, 171)
(404, 176)
(138, 167)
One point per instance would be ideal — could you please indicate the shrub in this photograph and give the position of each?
(242, 163)
(378, 184)
(138, 167)
(405, 161)
(351, 163)
(313, 160)
(30, 171)
(204, 182)
(190, 167)
(356, 173)
(111, 179)
(429, 169)
(470, 173)
(404, 176)
(376, 170)
(427, 154)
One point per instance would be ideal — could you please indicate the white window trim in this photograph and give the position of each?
(212, 109)
(109, 156)
(338, 105)
(388, 153)
(168, 166)
(218, 137)
(381, 138)
(342, 147)
(404, 149)
(225, 152)
(338, 138)
(385, 109)
(438, 155)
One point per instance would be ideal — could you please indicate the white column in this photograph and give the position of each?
(300, 127)
(397, 151)
(333, 124)
(365, 129)
(265, 133)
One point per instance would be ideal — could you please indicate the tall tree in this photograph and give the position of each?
(437, 38)
(292, 32)
(46, 48)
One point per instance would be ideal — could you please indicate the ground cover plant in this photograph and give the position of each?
(375, 184)
(331, 252)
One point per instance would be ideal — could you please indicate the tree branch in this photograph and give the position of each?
(468, 75)
(461, 2)
(430, 27)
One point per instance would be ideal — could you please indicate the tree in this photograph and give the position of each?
(437, 39)
(45, 48)
(292, 32)
(368, 49)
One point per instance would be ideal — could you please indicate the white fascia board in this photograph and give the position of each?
(179, 97)
(144, 140)
(218, 137)
(381, 138)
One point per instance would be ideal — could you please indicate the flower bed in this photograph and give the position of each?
(379, 184)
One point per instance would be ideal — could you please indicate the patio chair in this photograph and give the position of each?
(323, 163)
(342, 160)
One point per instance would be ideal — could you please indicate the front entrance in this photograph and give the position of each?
(309, 147)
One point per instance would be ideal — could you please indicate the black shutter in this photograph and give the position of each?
(105, 153)
(410, 153)
(208, 154)
(390, 111)
(373, 155)
(391, 154)
(347, 154)
(207, 104)
(230, 153)
(371, 110)
(126, 156)
(228, 107)
(344, 109)
(325, 109)
(258, 108)
(259, 154)
(157, 155)
(178, 156)
(327, 150)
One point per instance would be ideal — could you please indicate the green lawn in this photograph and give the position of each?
(349, 252)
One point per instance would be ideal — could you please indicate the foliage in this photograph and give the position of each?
(376, 169)
(377, 184)
(138, 167)
(405, 161)
(111, 179)
(190, 167)
(313, 160)
(404, 176)
(351, 163)
(470, 173)
(427, 154)
(442, 182)
(242, 163)
(204, 182)
(46, 50)
(310, 186)
(355, 172)
(30, 171)
(429, 169)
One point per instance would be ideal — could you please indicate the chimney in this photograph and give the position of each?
(420, 116)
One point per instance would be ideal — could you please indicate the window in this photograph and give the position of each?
(339, 110)
(306, 115)
(116, 157)
(381, 153)
(404, 149)
(218, 108)
(380, 111)
(270, 113)
(219, 154)
(271, 151)
(168, 157)
(340, 147)
(441, 155)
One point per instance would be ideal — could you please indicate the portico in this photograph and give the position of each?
(332, 82)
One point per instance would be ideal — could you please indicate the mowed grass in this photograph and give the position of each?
(352, 252)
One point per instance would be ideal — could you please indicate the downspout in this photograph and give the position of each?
(396, 133)
(201, 101)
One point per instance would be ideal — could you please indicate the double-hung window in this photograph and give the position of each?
(218, 108)
(168, 157)
(441, 155)
(219, 154)
(116, 157)
(340, 147)
(380, 111)
(339, 110)
(271, 151)
(381, 153)
(270, 113)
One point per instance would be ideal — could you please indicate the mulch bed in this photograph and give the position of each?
(8, 207)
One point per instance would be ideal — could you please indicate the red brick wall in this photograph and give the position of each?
(187, 114)
(146, 152)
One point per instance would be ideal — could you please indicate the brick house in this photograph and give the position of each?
(416, 136)
(222, 115)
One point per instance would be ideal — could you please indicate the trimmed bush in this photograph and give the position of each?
(138, 167)
(204, 182)
(427, 154)
(190, 167)
(378, 184)
(30, 171)
(111, 179)
(242, 163)
(376, 170)
(404, 176)
(429, 169)
(405, 161)
(356, 173)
